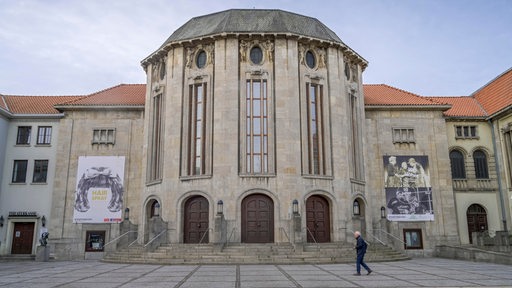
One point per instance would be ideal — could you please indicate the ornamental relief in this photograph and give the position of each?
(200, 56)
(158, 69)
(312, 57)
(256, 51)
(350, 70)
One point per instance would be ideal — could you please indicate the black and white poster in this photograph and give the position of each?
(408, 189)
(99, 189)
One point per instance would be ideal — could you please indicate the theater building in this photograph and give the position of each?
(254, 126)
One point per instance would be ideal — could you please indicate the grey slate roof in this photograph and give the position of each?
(252, 21)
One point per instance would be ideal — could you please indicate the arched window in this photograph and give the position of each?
(481, 170)
(457, 164)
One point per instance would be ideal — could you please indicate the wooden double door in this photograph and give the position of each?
(22, 238)
(196, 221)
(318, 220)
(257, 219)
(477, 220)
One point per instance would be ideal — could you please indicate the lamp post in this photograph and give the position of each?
(295, 207)
(127, 214)
(382, 212)
(43, 221)
(157, 210)
(355, 208)
(220, 207)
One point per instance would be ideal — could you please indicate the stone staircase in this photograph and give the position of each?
(237, 253)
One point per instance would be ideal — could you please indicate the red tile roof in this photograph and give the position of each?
(497, 94)
(34, 104)
(120, 95)
(382, 94)
(462, 106)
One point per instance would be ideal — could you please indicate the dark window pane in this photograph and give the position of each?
(23, 135)
(457, 165)
(481, 171)
(201, 59)
(310, 59)
(19, 171)
(256, 55)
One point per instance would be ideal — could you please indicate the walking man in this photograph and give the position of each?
(361, 250)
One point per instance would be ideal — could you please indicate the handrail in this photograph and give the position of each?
(229, 238)
(135, 241)
(207, 230)
(310, 233)
(393, 236)
(154, 238)
(375, 237)
(285, 234)
(118, 237)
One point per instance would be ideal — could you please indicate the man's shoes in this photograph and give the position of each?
(369, 272)
(357, 274)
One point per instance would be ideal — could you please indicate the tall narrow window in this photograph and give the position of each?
(40, 171)
(197, 126)
(257, 127)
(507, 137)
(481, 171)
(19, 171)
(155, 166)
(315, 129)
(44, 135)
(457, 165)
(23, 135)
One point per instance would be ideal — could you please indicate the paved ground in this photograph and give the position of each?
(427, 272)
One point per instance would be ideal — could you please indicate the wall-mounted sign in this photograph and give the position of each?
(22, 214)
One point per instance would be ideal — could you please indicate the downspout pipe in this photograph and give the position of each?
(498, 172)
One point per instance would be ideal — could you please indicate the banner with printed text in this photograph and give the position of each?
(99, 189)
(408, 189)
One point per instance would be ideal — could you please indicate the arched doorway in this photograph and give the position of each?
(318, 219)
(257, 219)
(477, 220)
(196, 220)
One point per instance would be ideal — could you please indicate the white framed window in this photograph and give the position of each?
(44, 135)
(104, 136)
(466, 132)
(403, 135)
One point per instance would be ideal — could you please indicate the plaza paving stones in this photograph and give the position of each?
(422, 272)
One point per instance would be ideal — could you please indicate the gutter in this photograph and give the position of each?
(500, 188)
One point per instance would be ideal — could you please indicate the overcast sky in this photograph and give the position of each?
(428, 47)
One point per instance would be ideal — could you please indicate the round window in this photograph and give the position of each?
(201, 59)
(256, 55)
(310, 59)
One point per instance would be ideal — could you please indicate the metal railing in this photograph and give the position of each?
(229, 238)
(390, 235)
(375, 237)
(204, 234)
(154, 238)
(119, 237)
(312, 236)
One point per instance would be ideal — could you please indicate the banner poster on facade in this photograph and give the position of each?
(99, 189)
(408, 189)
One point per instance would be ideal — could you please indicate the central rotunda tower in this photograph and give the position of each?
(253, 132)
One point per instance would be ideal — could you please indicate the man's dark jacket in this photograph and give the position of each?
(360, 246)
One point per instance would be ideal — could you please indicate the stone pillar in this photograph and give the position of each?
(220, 230)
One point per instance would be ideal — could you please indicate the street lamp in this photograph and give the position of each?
(127, 214)
(220, 207)
(382, 212)
(43, 221)
(355, 208)
(295, 207)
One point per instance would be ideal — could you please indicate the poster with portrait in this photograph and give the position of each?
(408, 189)
(99, 189)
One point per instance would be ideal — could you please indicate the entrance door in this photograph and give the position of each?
(196, 220)
(317, 219)
(22, 238)
(257, 219)
(477, 220)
